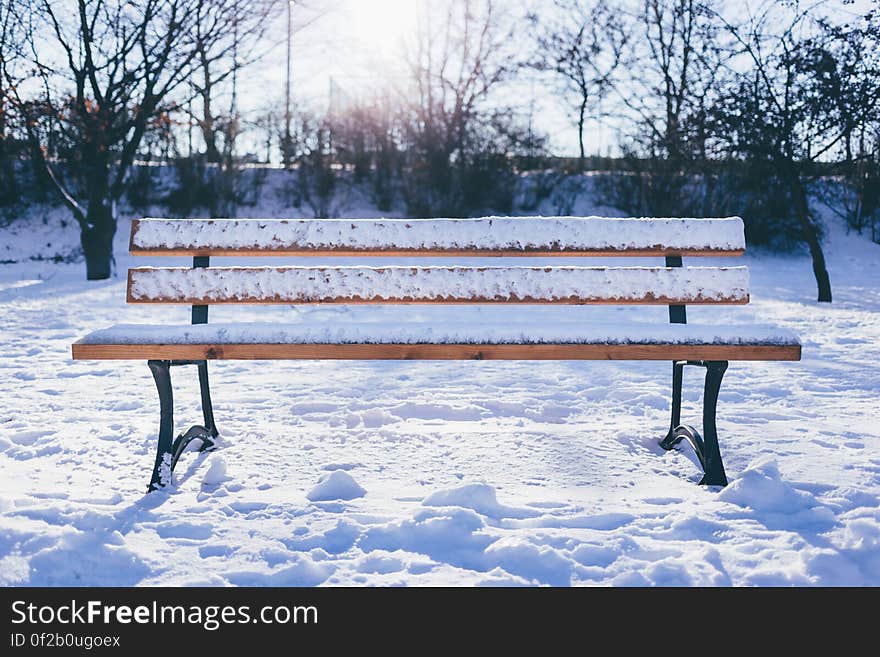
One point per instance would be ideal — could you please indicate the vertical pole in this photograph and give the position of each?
(189, 127)
(286, 147)
(331, 113)
(677, 315)
(161, 370)
(233, 104)
(200, 313)
(677, 378)
(200, 316)
(207, 407)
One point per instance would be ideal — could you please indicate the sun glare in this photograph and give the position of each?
(381, 25)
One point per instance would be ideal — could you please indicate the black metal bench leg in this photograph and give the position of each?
(677, 378)
(705, 446)
(712, 464)
(207, 407)
(169, 449)
(163, 467)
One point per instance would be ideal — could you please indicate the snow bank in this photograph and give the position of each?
(552, 234)
(530, 329)
(303, 572)
(216, 473)
(774, 501)
(497, 284)
(336, 485)
(454, 536)
(460, 537)
(761, 488)
(478, 497)
(540, 564)
(91, 557)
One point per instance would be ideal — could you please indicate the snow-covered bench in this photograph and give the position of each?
(709, 346)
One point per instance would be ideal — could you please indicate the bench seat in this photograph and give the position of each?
(452, 340)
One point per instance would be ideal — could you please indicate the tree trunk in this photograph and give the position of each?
(823, 281)
(9, 192)
(96, 237)
(811, 235)
(583, 111)
(212, 152)
(209, 131)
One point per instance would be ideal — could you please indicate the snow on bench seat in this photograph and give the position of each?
(652, 285)
(529, 339)
(482, 236)
(523, 331)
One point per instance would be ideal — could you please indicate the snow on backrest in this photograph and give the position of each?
(561, 285)
(507, 235)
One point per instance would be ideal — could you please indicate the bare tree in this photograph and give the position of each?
(786, 109)
(316, 180)
(220, 61)
(844, 61)
(267, 124)
(12, 42)
(582, 43)
(673, 66)
(365, 139)
(461, 52)
(104, 68)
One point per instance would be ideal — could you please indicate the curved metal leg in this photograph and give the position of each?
(686, 432)
(705, 446)
(163, 467)
(196, 432)
(169, 450)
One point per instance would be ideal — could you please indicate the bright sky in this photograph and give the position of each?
(357, 45)
(381, 24)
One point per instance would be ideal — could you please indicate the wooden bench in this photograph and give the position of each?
(708, 346)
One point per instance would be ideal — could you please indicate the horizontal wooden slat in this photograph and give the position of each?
(748, 352)
(450, 285)
(658, 252)
(489, 236)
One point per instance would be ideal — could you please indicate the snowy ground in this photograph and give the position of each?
(456, 473)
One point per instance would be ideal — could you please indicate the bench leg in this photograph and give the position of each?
(161, 370)
(713, 466)
(677, 379)
(705, 446)
(168, 451)
(207, 407)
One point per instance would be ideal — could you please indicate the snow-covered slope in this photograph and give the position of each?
(442, 473)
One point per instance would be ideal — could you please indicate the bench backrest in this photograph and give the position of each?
(672, 239)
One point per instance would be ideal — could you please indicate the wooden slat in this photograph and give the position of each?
(435, 352)
(439, 285)
(658, 252)
(344, 238)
